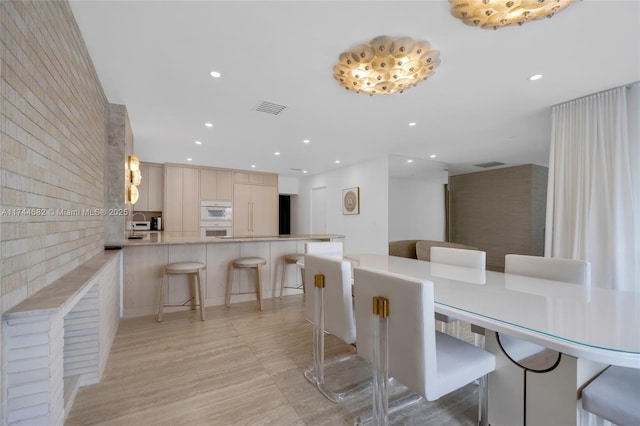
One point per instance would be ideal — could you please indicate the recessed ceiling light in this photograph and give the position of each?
(412, 124)
(189, 159)
(304, 171)
(306, 141)
(432, 156)
(198, 143)
(535, 77)
(276, 153)
(253, 166)
(208, 124)
(337, 161)
(215, 74)
(409, 161)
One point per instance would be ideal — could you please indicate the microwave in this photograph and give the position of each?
(215, 211)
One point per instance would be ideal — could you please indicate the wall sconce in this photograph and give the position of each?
(133, 194)
(134, 163)
(135, 176)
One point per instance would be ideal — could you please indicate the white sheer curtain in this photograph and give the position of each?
(593, 200)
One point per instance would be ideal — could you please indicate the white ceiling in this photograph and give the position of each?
(155, 58)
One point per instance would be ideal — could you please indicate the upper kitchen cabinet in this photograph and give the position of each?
(255, 204)
(181, 198)
(216, 185)
(151, 188)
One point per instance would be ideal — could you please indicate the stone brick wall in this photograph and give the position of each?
(53, 127)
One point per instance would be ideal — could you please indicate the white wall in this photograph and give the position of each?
(288, 185)
(364, 233)
(416, 209)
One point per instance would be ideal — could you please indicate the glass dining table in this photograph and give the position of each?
(591, 327)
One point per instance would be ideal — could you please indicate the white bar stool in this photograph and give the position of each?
(245, 262)
(194, 272)
(290, 259)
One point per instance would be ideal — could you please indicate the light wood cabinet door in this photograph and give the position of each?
(143, 191)
(151, 189)
(264, 214)
(172, 213)
(208, 185)
(241, 210)
(255, 210)
(215, 185)
(156, 188)
(224, 186)
(190, 200)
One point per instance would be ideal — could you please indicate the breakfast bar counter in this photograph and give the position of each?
(146, 258)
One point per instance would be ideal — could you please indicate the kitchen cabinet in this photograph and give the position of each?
(215, 185)
(151, 188)
(255, 210)
(256, 178)
(182, 199)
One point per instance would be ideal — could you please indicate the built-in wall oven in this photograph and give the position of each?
(216, 219)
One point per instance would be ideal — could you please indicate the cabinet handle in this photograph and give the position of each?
(248, 217)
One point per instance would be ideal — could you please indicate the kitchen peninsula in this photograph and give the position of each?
(145, 260)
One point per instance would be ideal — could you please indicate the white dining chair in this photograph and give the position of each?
(329, 307)
(326, 248)
(395, 325)
(467, 257)
(615, 396)
(567, 270)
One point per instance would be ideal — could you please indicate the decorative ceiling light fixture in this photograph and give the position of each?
(494, 14)
(386, 65)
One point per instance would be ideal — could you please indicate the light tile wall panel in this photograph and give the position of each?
(53, 120)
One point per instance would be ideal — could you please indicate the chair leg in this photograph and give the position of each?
(227, 295)
(162, 296)
(302, 278)
(259, 287)
(483, 403)
(192, 290)
(200, 293)
(284, 272)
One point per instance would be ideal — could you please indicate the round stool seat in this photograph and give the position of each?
(184, 267)
(248, 262)
(293, 258)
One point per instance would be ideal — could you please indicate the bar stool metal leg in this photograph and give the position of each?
(163, 290)
(259, 287)
(198, 276)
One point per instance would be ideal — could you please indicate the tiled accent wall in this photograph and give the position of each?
(500, 211)
(53, 127)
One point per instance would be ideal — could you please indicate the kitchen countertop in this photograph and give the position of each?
(163, 237)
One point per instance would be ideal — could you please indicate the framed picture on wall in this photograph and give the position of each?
(351, 200)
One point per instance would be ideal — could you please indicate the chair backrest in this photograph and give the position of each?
(329, 248)
(459, 257)
(403, 248)
(412, 341)
(339, 317)
(423, 248)
(568, 270)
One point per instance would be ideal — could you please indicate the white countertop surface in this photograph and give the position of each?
(164, 237)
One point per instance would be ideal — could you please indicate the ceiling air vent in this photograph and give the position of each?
(270, 107)
(489, 164)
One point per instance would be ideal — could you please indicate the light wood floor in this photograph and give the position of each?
(239, 367)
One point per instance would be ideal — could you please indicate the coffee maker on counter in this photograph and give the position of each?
(156, 223)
